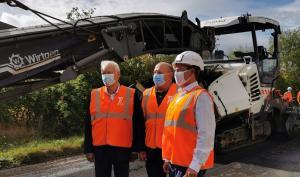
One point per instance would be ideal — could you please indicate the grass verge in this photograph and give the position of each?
(40, 151)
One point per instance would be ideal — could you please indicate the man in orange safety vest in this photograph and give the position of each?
(114, 126)
(189, 129)
(154, 104)
(287, 96)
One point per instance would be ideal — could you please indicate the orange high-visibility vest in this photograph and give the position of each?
(112, 119)
(155, 115)
(287, 96)
(180, 131)
(298, 97)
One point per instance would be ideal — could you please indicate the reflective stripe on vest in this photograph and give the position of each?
(180, 131)
(181, 122)
(112, 119)
(145, 101)
(154, 115)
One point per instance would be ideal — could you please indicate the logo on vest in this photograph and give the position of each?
(120, 101)
(170, 98)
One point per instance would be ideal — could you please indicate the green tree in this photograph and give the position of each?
(141, 68)
(289, 43)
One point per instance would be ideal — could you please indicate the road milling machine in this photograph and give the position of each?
(246, 110)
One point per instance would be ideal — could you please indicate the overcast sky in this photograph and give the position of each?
(287, 12)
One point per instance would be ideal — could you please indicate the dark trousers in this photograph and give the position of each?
(179, 171)
(154, 163)
(107, 157)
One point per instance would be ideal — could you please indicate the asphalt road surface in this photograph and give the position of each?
(272, 158)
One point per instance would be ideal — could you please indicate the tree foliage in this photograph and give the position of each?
(289, 42)
(76, 13)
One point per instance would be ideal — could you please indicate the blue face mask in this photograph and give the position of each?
(159, 79)
(108, 79)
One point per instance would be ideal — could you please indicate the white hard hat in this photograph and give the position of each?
(190, 58)
(289, 89)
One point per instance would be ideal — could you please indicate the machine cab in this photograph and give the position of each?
(254, 29)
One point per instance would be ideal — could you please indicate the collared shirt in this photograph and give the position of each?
(112, 96)
(188, 87)
(206, 125)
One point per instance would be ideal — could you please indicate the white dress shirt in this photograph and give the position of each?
(112, 96)
(206, 125)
